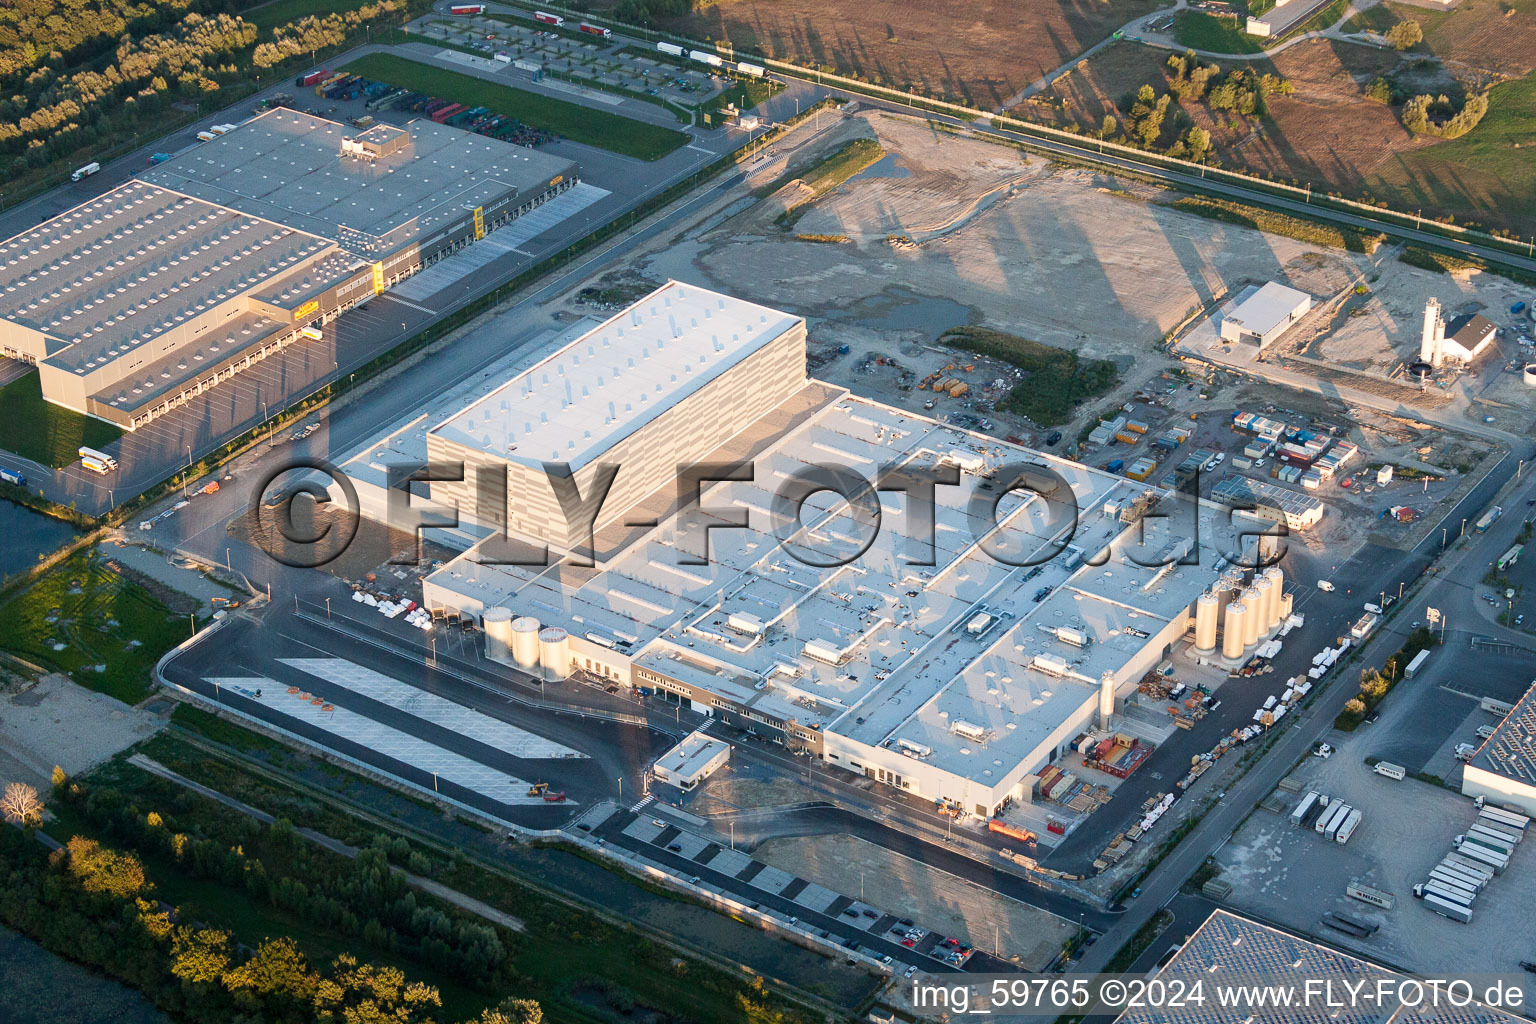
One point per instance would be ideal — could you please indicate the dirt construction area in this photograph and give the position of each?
(948, 230)
(941, 901)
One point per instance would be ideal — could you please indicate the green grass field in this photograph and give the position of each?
(1219, 35)
(1059, 380)
(44, 432)
(1375, 19)
(80, 616)
(1491, 168)
(577, 123)
(824, 175)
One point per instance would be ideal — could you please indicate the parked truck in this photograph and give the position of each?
(86, 171)
(10, 476)
(1391, 771)
(1489, 518)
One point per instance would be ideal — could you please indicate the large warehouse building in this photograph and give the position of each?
(954, 673)
(1262, 317)
(158, 290)
(1503, 771)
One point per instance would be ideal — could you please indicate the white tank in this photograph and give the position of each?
(1529, 376)
(1267, 604)
(1286, 604)
(1276, 577)
(1106, 699)
(525, 643)
(1232, 634)
(1206, 610)
(497, 623)
(555, 652)
(1251, 624)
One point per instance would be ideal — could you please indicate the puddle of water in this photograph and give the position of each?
(887, 166)
(901, 309)
(29, 535)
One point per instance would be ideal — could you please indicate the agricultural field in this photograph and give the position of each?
(44, 432)
(85, 618)
(981, 52)
(1328, 133)
(568, 120)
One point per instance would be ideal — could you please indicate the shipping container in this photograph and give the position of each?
(312, 77)
(1012, 832)
(1365, 894)
(446, 112)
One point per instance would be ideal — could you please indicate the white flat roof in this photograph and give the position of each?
(1267, 308)
(587, 396)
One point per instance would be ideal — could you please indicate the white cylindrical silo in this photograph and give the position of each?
(1106, 699)
(1276, 577)
(1234, 630)
(1266, 606)
(1206, 609)
(555, 652)
(525, 643)
(1251, 624)
(497, 623)
(1286, 604)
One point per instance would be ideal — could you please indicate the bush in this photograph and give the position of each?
(1419, 114)
(1379, 90)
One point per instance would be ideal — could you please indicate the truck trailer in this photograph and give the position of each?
(1500, 841)
(1445, 908)
(1510, 818)
(1502, 828)
(1329, 826)
(1303, 809)
(1470, 866)
(1348, 825)
(86, 171)
(545, 18)
(1440, 878)
(1482, 854)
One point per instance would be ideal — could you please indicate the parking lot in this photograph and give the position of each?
(1293, 876)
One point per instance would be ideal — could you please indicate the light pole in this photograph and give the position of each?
(327, 609)
(621, 789)
(733, 835)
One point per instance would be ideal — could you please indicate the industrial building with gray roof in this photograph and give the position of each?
(956, 677)
(164, 287)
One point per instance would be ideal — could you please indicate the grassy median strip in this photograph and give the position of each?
(1299, 228)
(824, 175)
(570, 120)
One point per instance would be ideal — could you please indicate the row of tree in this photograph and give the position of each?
(94, 903)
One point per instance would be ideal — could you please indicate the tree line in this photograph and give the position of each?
(92, 901)
(79, 74)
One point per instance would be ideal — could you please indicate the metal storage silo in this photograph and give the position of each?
(1252, 627)
(555, 652)
(1206, 610)
(525, 643)
(1276, 576)
(1266, 604)
(1286, 604)
(497, 623)
(1235, 629)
